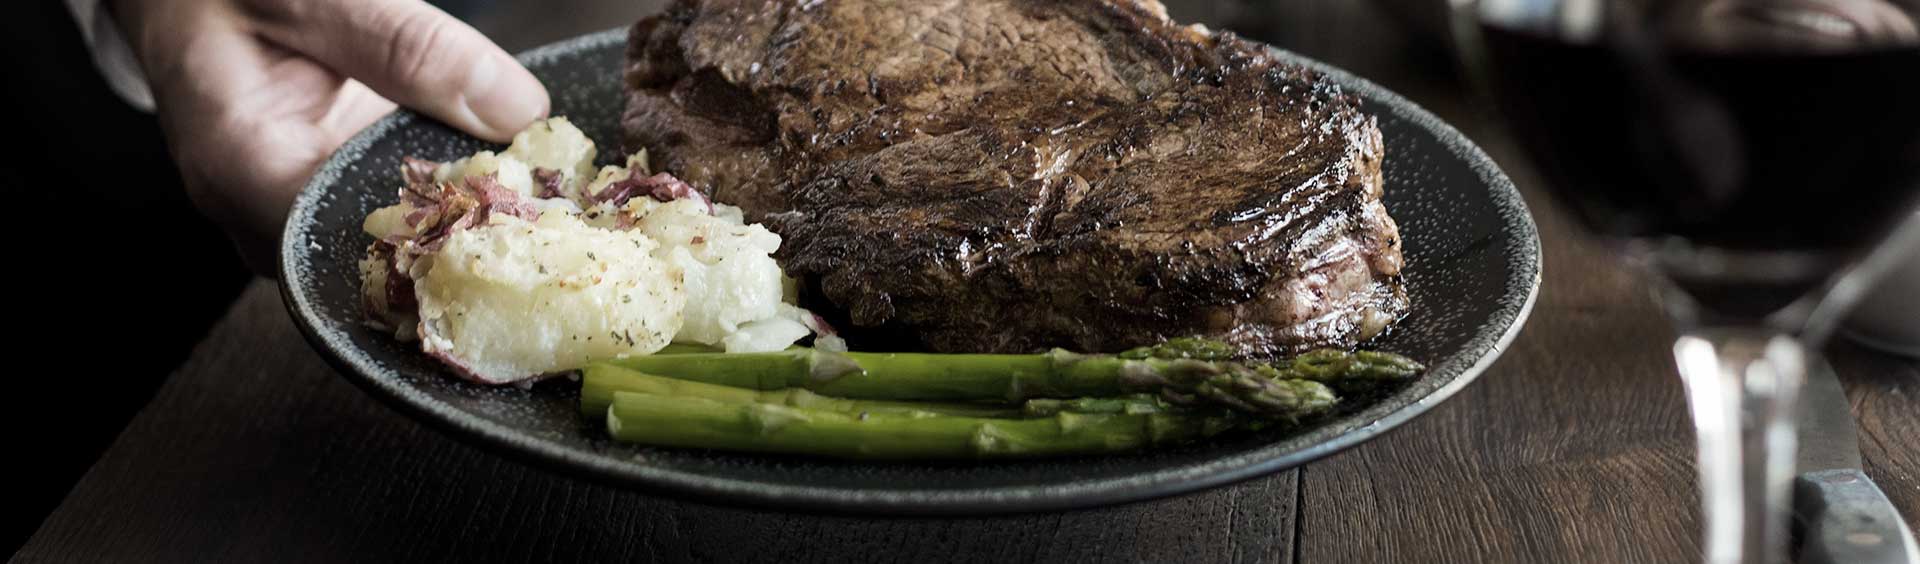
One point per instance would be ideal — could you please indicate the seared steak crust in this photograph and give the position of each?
(1011, 175)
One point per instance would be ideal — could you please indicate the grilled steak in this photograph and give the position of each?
(1011, 175)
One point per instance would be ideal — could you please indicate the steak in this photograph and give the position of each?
(1012, 175)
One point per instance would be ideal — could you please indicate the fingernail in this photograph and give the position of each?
(504, 97)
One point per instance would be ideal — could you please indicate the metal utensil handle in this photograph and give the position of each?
(1848, 520)
(1742, 387)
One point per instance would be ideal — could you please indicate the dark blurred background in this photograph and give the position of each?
(119, 277)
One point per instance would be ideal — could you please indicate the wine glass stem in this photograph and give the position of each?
(1742, 385)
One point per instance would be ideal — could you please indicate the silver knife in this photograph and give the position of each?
(1844, 517)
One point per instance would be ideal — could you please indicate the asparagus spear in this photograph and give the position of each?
(1322, 365)
(1216, 420)
(1130, 404)
(685, 348)
(1338, 366)
(765, 427)
(600, 381)
(1003, 377)
(1183, 347)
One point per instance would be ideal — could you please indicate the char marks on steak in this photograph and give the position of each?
(1011, 175)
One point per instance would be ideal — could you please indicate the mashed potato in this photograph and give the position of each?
(512, 299)
(531, 262)
(553, 144)
(731, 277)
(556, 144)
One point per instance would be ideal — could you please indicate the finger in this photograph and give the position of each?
(416, 55)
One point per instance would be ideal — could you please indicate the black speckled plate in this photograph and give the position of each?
(1473, 269)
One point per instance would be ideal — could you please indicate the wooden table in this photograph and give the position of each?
(1575, 447)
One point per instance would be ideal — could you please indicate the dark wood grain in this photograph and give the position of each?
(1575, 447)
(257, 452)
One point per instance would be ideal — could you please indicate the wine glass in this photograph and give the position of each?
(1748, 154)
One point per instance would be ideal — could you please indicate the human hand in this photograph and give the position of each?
(254, 94)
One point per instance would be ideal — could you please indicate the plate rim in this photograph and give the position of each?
(516, 444)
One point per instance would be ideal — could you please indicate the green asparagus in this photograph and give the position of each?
(688, 348)
(599, 383)
(1334, 365)
(923, 406)
(996, 377)
(1184, 347)
(765, 427)
(1130, 404)
(1322, 365)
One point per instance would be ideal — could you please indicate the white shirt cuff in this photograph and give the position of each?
(111, 54)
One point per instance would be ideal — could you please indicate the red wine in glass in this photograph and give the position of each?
(1813, 155)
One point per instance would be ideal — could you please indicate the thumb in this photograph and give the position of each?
(416, 55)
